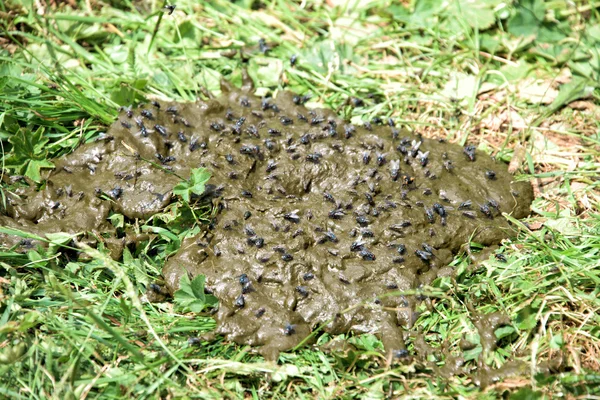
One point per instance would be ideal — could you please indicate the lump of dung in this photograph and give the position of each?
(319, 221)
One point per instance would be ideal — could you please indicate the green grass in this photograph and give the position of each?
(458, 69)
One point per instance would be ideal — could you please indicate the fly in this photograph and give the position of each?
(161, 130)
(337, 214)
(366, 157)
(147, 114)
(430, 215)
(362, 220)
(302, 291)
(314, 157)
(349, 131)
(465, 205)
(367, 255)
(423, 255)
(469, 151)
(170, 8)
(292, 217)
(271, 166)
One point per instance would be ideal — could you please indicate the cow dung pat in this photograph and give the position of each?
(312, 210)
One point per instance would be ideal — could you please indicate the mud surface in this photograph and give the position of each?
(319, 221)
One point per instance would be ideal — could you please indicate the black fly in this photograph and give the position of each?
(469, 214)
(424, 256)
(465, 205)
(469, 151)
(147, 114)
(486, 211)
(271, 166)
(491, 175)
(216, 126)
(367, 255)
(366, 157)
(430, 215)
(115, 193)
(289, 330)
(440, 209)
(362, 220)
(170, 8)
(263, 47)
(240, 302)
(501, 257)
(243, 279)
(314, 157)
(356, 246)
(337, 214)
(349, 131)
(161, 130)
(292, 217)
(331, 236)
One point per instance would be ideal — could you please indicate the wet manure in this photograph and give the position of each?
(319, 220)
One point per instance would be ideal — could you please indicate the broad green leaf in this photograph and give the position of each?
(479, 14)
(425, 13)
(527, 19)
(34, 169)
(182, 189)
(29, 154)
(504, 331)
(191, 294)
(557, 342)
(210, 80)
(265, 71)
(576, 89)
(526, 394)
(117, 54)
(117, 220)
(526, 319)
(60, 238)
(195, 185)
(460, 86)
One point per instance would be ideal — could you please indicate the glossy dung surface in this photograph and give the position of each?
(320, 223)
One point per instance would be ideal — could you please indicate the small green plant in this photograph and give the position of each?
(29, 155)
(194, 185)
(191, 296)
